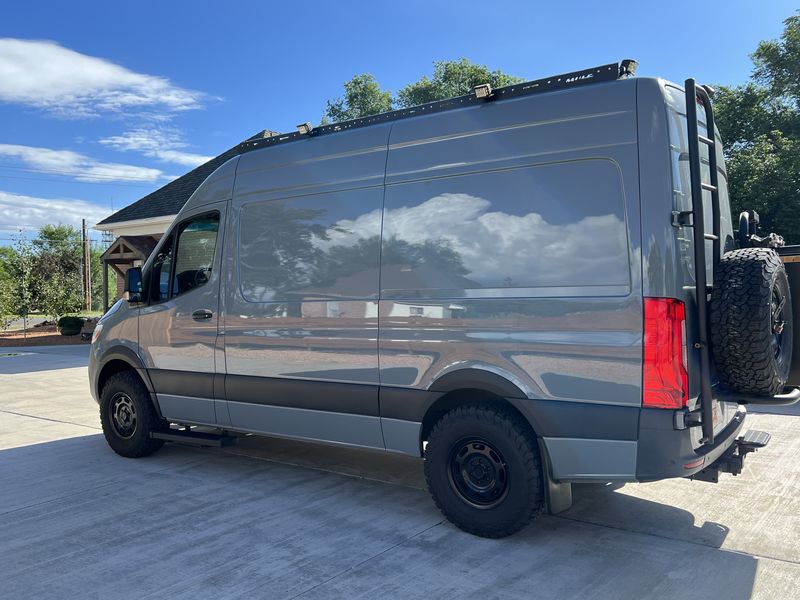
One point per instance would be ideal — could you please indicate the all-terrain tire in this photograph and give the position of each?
(751, 339)
(128, 416)
(509, 443)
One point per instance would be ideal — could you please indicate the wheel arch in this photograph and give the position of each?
(472, 386)
(122, 359)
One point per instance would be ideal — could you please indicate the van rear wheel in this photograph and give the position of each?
(128, 416)
(483, 470)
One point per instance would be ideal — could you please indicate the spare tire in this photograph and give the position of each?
(751, 322)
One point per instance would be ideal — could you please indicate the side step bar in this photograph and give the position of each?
(733, 460)
(195, 438)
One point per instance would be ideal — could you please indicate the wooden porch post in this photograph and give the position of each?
(105, 287)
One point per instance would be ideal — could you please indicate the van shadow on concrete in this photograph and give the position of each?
(78, 520)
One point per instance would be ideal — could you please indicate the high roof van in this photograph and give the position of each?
(526, 287)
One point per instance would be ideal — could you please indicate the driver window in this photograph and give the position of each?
(194, 256)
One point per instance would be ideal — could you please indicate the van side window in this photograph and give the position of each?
(160, 272)
(194, 256)
(314, 248)
(545, 226)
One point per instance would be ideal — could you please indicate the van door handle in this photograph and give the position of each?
(202, 315)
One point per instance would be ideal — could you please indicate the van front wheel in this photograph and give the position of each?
(128, 416)
(483, 470)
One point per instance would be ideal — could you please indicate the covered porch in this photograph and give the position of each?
(127, 251)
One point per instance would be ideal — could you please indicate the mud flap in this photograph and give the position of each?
(557, 495)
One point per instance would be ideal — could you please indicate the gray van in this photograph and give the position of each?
(527, 287)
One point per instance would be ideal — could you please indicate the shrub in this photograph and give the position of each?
(70, 325)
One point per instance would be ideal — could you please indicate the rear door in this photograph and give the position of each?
(722, 412)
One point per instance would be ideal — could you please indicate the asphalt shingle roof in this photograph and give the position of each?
(169, 200)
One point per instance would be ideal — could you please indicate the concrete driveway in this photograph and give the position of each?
(278, 519)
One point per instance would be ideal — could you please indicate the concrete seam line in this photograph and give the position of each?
(11, 412)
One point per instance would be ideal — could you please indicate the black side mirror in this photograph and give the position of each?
(133, 285)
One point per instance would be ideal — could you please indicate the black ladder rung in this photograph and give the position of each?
(711, 236)
(705, 140)
(708, 187)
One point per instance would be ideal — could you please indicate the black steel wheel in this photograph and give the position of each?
(123, 415)
(478, 473)
(128, 416)
(483, 469)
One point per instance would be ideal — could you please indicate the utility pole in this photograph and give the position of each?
(86, 266)
(83, 260)
(88, 273)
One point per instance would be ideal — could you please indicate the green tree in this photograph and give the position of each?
(451, 78)
(363, 96)
(57, 289)
(760, 127)
(6, 255)
(16, 290)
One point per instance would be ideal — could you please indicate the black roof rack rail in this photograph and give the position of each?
(603, 73)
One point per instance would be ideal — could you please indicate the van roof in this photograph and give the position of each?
(603, 73)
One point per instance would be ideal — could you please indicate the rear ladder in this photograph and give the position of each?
(695, 93)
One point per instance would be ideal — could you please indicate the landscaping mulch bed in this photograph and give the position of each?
(39, 336)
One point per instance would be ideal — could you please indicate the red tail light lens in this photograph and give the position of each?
(666, 381)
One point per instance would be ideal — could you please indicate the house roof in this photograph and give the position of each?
(139, 245)
(169, 200)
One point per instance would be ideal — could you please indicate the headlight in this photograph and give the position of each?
(96, 333)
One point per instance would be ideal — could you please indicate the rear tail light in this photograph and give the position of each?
(666, 381)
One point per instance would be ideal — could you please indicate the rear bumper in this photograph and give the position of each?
(664, 452)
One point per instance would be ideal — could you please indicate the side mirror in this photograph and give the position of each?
(133, 285)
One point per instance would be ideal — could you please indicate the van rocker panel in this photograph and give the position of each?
(349, 398)
(316, 425)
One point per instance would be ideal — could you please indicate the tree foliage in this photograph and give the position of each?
(16, 289)
(363, 95)
(57, 266)
(451, 78)
(44, 274)
(760, 127)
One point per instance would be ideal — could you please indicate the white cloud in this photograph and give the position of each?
(496, 246)
(29, 213)
(48, 76)
(164, 144)
(79, 166)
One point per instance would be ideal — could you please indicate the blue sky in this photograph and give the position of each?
(103, 102)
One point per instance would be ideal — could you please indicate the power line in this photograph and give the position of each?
(78, 174)
(139, 185)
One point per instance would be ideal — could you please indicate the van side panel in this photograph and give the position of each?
(511, 244)
(301, 294)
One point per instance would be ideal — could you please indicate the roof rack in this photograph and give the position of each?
(609, 72)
